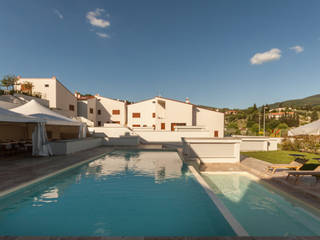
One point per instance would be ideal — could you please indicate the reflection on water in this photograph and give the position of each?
(162, 166)
(49, 196)
(118, 195)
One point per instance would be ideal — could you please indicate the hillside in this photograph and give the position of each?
(313, 101)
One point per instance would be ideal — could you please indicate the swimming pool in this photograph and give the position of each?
(125, 193)
(260, 209)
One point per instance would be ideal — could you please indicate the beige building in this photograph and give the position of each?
(101, 110)
(59, 97)
(163, 114)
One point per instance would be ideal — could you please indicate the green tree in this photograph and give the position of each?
(282, 126)
(28, 86)
(314, 116)
(9, 81)
(255, 128)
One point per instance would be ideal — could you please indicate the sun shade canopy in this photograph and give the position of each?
(308, 129)
(35, 109)
(9, 116)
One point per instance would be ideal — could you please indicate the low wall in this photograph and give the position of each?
(116, 135)
(249, 144)
(258, 143)
(122, 141)
(212, 150)
(168, 136)
(111, 131)
(64, 147)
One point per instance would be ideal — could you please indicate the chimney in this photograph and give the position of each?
(187, 100)
(54, 77)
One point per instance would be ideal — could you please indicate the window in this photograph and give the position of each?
(91, 110)
(154, 126)
(99, 123)
(163, 126)
(99, 112)
(71, 107)
(144, 125)
(115, 112)
(216, 133)
(135, 125)
(46, 85)
(136, 115)
(176, 124)
(117, 122)
(153, 115)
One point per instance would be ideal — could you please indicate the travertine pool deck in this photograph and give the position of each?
(306, 190)
(14, 172)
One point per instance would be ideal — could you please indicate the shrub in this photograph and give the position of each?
(302, 143)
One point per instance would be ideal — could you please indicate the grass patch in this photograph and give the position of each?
(283, 157)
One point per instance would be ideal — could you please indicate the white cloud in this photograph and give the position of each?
(297, 49)
(59, 14)
(268, 56)
(92, 16)
(102, 35)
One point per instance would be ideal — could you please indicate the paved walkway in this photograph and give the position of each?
(14, 172)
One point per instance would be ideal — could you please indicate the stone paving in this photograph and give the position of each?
(14, 172)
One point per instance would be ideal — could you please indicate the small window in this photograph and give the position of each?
(216, 133)
(99, 112)
(71, 107)
(153, 115)
(91, 110)
(99, 123)
(144, 125)
(46, 85)
(136, 125)
(115, 112)
(154, 126)
(136, 115)
(117, 122)
(163, 126)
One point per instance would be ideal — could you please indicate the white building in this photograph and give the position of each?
(59, 97)
(101, 110)
(163, 114)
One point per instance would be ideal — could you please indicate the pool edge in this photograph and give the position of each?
(39, 179)
(235, 225)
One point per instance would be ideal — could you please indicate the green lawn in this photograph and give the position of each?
(283, 157)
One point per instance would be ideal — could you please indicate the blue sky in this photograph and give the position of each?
(226, 53)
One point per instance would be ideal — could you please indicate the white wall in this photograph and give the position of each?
(249, 145)
(107, 105)
(145, 108)
(174, 112)
(168, 136)
(52, 90)
(82, 108)
(64, 98)
(212, 150)
(92, 103)
(72, 146)
(39, 86)
(213, 121)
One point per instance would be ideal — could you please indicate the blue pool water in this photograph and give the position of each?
(261, 210)
(126, 193)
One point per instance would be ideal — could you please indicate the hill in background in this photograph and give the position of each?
(312, 101)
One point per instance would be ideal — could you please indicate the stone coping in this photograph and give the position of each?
(19, 173)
